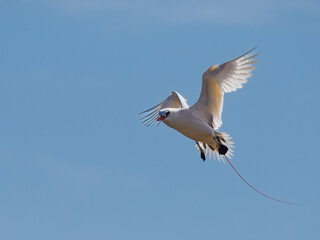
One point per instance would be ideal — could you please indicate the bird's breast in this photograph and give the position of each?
(191, 127)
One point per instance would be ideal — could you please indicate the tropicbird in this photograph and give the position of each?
(201, 121)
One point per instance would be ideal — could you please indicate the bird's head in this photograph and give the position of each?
(163, 114)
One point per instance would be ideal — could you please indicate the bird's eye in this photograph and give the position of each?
(167, 114)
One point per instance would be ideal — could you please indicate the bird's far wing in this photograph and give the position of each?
(216, 81)
(175, 100)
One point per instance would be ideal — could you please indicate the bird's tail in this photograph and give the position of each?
(223, 146)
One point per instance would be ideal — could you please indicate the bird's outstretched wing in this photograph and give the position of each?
(216, 81)
(175, 100)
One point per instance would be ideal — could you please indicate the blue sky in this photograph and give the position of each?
(76, 163)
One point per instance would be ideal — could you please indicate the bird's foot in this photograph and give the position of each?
(223, 149)
(203, 156)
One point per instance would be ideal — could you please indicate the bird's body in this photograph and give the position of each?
(187, 123)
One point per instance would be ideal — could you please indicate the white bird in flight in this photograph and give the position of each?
(201, 121)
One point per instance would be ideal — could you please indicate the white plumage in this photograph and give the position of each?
(201, 121)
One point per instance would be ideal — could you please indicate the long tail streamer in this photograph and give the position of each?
(278, 200)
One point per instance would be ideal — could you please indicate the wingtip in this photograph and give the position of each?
(245, 54)
(250, 51)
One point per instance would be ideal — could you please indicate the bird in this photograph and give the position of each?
(201, 121)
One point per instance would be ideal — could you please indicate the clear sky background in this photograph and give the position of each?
(76, 163)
